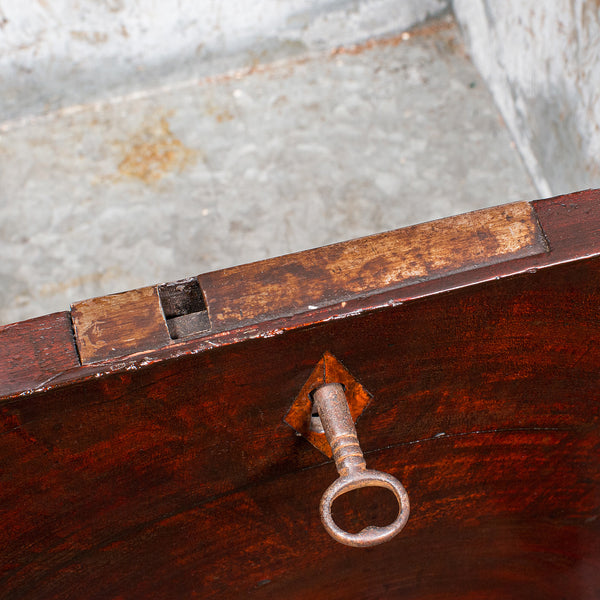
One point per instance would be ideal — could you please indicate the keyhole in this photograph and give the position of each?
(315, 422)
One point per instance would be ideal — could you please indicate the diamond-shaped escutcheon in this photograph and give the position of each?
(328, 370)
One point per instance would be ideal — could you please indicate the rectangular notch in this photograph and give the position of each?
(184, 308)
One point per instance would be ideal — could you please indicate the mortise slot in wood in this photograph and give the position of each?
(184, 308)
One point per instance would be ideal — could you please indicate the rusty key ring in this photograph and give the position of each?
(332, 406)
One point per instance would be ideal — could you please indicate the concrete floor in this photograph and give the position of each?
(181, 179)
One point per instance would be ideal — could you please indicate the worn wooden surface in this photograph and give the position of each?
(119, 324)
(340, 272)
(33, 352)
(177, 477)
(122, 324)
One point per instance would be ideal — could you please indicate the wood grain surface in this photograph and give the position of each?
(177, 477)
(119, 324)
(122, 324)
(34, 352)
(315, 278)
(181, 479)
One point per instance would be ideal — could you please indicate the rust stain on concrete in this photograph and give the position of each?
(220, 113)
(154, 152)
(433, 27)
(91, 37)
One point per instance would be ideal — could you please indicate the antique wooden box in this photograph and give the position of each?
(163, 442)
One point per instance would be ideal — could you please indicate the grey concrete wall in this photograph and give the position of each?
(55, 53)
(541, 61)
